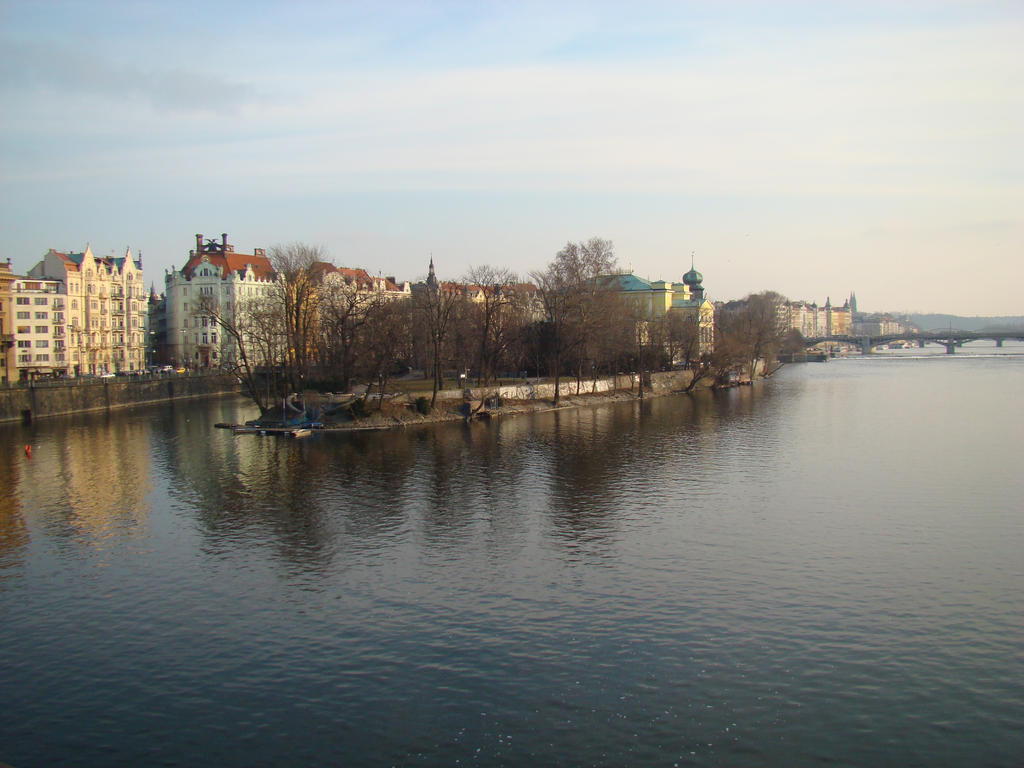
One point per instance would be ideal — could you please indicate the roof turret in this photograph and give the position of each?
(693, 278)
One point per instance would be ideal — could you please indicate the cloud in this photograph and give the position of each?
(83, 72)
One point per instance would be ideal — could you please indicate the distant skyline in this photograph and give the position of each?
(809, 148)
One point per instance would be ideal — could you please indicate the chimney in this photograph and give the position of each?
(199, 244)
(224, 241)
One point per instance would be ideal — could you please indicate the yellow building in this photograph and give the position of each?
(813, 321)
(8, 356)
(656, 299)
(103, 323)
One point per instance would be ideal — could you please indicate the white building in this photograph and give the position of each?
(38, 327)
(214, 276)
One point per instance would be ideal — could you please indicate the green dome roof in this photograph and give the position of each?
(693, 277)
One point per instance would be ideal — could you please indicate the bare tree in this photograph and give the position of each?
(495, 315)
(434, 309)
(387, 343)
(574, 298)
(681, 337)
(257, 341)
(753, 330)
(298, 294)
(345, 308)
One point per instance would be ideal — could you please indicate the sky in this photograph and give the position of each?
(811, 148)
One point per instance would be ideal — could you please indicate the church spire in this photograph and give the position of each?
(431, 277)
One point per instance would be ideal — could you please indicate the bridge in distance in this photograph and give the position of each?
(949, 338)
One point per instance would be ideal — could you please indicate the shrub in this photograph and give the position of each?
(423, 405)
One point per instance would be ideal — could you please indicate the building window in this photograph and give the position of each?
(41, 343)
(24, 315)
(24, 344)
(42, 315)
(40, 301)
(42, 329)
(23, 300)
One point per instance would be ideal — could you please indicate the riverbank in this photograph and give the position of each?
(61, 397)
(481, 404)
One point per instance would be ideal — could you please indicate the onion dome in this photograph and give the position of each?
(693, 277)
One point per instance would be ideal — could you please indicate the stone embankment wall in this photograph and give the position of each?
(659, 383)
(79, 395)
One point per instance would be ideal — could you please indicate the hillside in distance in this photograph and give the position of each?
(932, 322)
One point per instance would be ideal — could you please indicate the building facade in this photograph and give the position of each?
(8, 353)
(99, 318)
(656, 299)
(215, 281)
(39, 329)
(157, 350)
(814, 322)
(881, 325)
(362, 282)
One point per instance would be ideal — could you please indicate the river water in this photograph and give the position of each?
(825, 568)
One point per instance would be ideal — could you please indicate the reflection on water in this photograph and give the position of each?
(86, 479)
(14, 537)
(822, 568)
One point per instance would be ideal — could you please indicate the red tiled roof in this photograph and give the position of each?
(363, 279)
(322, 268)
(69, 264)
(231, 262)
